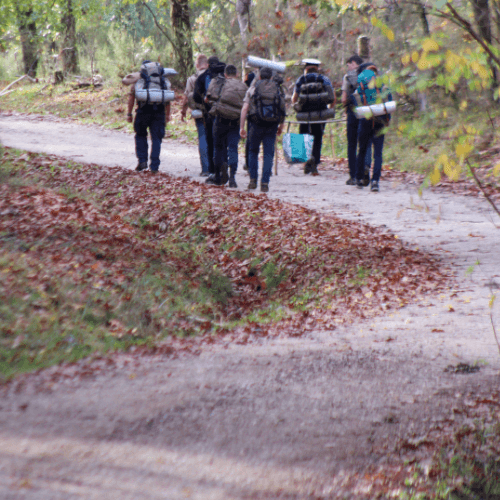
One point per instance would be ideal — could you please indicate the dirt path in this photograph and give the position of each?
(283, 418)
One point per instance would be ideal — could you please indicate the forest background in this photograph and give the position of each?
(441, 59)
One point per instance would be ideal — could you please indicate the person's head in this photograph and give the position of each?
(213, 61)
(311, 68)
(265, 73)
(230, 71)
(201, 62)
(353, 62)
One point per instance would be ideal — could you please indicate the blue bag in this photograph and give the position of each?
(297, 148)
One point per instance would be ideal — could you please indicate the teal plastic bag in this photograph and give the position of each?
(297, 148)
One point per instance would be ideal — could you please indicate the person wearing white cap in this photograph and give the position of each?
(312, 75)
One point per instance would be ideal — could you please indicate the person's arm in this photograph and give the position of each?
(295, 97)
(344, 98)
(243, 117)
(130, 106)
(167, 112)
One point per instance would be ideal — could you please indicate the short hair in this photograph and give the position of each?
(355, 58)
(213, 60)
(201, 59)
(310, 68)
(265, 73)
(231, 70)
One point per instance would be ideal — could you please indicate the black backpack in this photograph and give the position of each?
(268, 102)
(314, 94)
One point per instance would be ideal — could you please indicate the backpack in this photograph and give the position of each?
(314, 95)
(152, 87)
(268, 102)
(352, 80)
(230, 100)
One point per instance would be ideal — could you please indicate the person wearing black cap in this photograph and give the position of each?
(311, 74)
(215, 67)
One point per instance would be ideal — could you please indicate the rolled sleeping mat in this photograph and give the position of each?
(375, 110)
(154, 95)
(258, 62)
(132, 78)
(315, 116)
(196, 114)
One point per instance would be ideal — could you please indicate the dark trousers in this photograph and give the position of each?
(316, 130)
(265, 134)
(155, 122)
(209, 128)
(226, 137)
(370, 130)
(352, 144)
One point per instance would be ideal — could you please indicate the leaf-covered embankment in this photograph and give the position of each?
(95, 259)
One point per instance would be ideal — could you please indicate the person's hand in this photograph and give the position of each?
(280, 129)
(129, 118)
(243, 133)
(183, 116)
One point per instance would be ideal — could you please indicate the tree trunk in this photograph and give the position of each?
(69, 51)
(29, 41)
(423, 18)
(243, 13)
(181, 26)
(482, 17)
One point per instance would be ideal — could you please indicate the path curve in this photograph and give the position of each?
(283, 418)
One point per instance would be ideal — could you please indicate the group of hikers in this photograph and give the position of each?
(226, 109)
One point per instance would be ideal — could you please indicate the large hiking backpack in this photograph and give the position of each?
(314, 95)
(376, 101)
(268, 102)
(153, 86)
(230, 100)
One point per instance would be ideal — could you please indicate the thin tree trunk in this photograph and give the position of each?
(243, 14)
(181, 26)
(70, 53)
(423, 18)
(29, 40)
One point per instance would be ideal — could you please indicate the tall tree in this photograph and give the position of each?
(183, 43)
(29, 38)
(70, 52)
(243, 13)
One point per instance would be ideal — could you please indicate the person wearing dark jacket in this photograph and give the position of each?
(311, 74)
(215, 67)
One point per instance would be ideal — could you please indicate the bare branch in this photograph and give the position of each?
(167, 36)
(472, 170)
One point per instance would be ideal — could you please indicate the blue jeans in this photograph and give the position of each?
(316, 130)
(258, 134)
(368, 130)
(352, 144)
(202, 144)
(154, 120)
(226, 138)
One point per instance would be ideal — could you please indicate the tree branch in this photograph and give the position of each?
(167, 36)
(481, 187)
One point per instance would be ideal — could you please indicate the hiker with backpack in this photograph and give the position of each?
(215, 68)
(313, 93)
(349, 86)
(153, 95)
(264, 104)
(201, 64)
(227, 98)
(373, 127)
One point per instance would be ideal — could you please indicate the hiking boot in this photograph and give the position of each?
(264, 187)
(374, 187)
(210, 179)
(154, 172)
(142, 165)
(224, 176)
(232, 182)
(309, 165)
(253, 184)
(360, 184)
(366, 177)
(204, 174)
(350, 182)
(314, 169)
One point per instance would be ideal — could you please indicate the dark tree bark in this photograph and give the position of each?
(181, 26)
(29, 41)
(423, 18)
(69, 52)
(482, 17)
